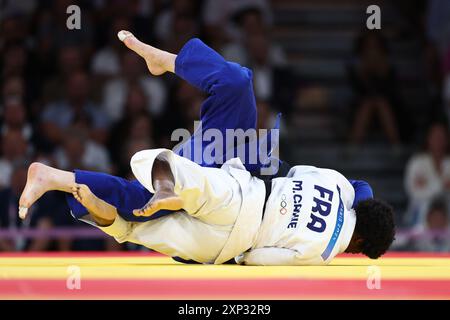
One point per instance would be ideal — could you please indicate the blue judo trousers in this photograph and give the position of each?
(230, 105)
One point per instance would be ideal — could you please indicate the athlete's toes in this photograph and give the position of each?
(84, 189)
(138, 212)
(124, 35)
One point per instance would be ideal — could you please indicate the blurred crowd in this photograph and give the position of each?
(79, 99)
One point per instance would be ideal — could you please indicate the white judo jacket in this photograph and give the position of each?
(307, 218)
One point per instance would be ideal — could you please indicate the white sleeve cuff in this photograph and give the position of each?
(142, 163)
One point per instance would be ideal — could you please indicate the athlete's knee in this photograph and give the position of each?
(236, 78)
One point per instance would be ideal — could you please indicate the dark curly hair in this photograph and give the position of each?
(375, 226)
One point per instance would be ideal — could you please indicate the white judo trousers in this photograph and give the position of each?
(222, 210)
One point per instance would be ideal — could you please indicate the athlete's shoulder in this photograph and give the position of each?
(300, 169)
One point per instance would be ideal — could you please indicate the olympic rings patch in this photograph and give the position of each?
(283, 205)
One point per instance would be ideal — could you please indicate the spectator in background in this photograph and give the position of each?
(13, 87)
(263, 59)
(434, 235)
(78, 151)
(165, 24)
(255, 50)
(133, 74)
(82, 37)
(15, 118)
(40, 220)
(446, 86)
(428, 173)
(135, 124)
(106, 62)
(266, 116)
(185, 103)
(437, 23)
(15, 61)
(132, 147)
(70, 61)
(9, 201)
(434, 78)
(250, 23)
(14, 148)
(15, 64)
(14, 27)
(184, 28)
(74, 110)
(218, 14)
(45, 216)
(374, 85)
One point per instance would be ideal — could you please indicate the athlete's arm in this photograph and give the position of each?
(272, 256)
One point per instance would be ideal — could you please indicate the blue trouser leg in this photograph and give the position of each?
(123, 194)
(230, 105)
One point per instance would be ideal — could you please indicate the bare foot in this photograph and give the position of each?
(161, 200)
(153, 57)
(38, 183)
(103, 213)
(84, 195)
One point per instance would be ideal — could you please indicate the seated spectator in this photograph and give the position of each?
(166, 20)
(75, 110)
(77, 151)
(434, 79)
(15, 61)
(266, 116)
(134, 73)
(374, 86)
(249, 23)
(185, 103)
(13, 87)
(70, 60)
(434, 236)
(13, 27)
(15, 64)
(184, 28)
(14, 148)
(15, 118)
(428, 173)
(437, 24)
(106, 61)
(263, 59)
(41, 218)
(131, 147)
(220, 13)
(136, 106)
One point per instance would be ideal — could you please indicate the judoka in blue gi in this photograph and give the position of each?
(222, 208)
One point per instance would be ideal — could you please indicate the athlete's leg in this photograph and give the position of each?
(101, 212)
(42, 178)
(209, 194)
(120, 193)
(164, 197)
(230, 103)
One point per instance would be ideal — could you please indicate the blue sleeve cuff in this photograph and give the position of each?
(184, 54)
(363, 191)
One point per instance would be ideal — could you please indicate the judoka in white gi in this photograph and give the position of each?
(217, 214)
